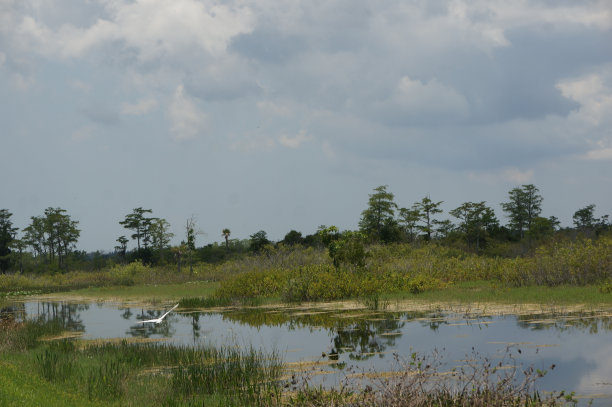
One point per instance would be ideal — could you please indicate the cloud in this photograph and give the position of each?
(253, 143)
(294, 142)
(153, 28)
(141, 107)
(271, 108)
(517, 176)
(82, 134)
(415, 102)
(80, 85)
(328, 150)
(594, 94)
(599, 154)
(101, 113)
(187, 121)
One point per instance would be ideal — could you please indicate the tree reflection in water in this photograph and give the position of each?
(591, 322)
(163, 329)
(67, 314)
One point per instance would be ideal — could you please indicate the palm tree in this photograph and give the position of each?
(226, 234)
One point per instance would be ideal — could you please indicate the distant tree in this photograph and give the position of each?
(408, 219)
(379, 214)
(258, 241)
(541, 228)
(554, 222)
(191, 232)
(53, 235)
(121, 248)
(179, 252)
(139, 224)
(476, 221)
(584, 218)
(524, 205)
(443, 229)
(349, 249)
(328, 234)
(34, 236)
(160, 235)
(18, 246)
(7, 236)
(427, 208)
(293, 237)
(226, 234)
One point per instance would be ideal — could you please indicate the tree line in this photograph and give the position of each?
(49, 242)
(474, 222)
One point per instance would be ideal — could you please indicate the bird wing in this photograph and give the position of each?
(148, 320)
(169, 311)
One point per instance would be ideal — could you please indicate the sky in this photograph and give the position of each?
(285, 114)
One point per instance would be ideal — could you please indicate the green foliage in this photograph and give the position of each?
(7, 236)
(139, 374)
(606, 287)
(378, 219)
(253, 284)
(26, 335)
(576, 263)
(477, 221)
(541, 228)
(348, 250)
(258, 241)
(241, 375)
(54, 364)
(139, 224)
(524, 205)
(427, 209)
(105, 381)
(52, 236)
(293, 237)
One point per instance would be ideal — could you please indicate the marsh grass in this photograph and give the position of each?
(425, 381)
(162, 374)
(21, 336)
(240, 377)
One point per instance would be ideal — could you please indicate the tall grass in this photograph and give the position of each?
(103, 370)
(306, 274)
(423, 381)
(21, 336)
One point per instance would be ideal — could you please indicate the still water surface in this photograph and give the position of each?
(579, 345)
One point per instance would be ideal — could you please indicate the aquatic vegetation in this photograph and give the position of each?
(21, 336)
(423, 381)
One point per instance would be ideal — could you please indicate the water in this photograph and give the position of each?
(579, 345)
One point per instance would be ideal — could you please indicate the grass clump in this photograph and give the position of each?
(423, 381)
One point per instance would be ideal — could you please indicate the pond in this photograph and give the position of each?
(341, 342)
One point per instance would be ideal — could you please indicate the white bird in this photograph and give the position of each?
(158, 320)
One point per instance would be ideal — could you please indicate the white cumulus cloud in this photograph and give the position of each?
(294, 142)
(141, 107)
(187, 120)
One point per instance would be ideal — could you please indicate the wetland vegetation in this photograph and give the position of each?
(42, 364)
(397, 255)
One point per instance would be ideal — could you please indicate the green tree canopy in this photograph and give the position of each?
(524, 205)
(139, 224)
(409, 219)
(584, 218)
(293, 237)
(7, 236)
(53, 235)
(476, 221)
(160, 234)
(379, 215)
(427, 209)
(258, 241)
(226, 234)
